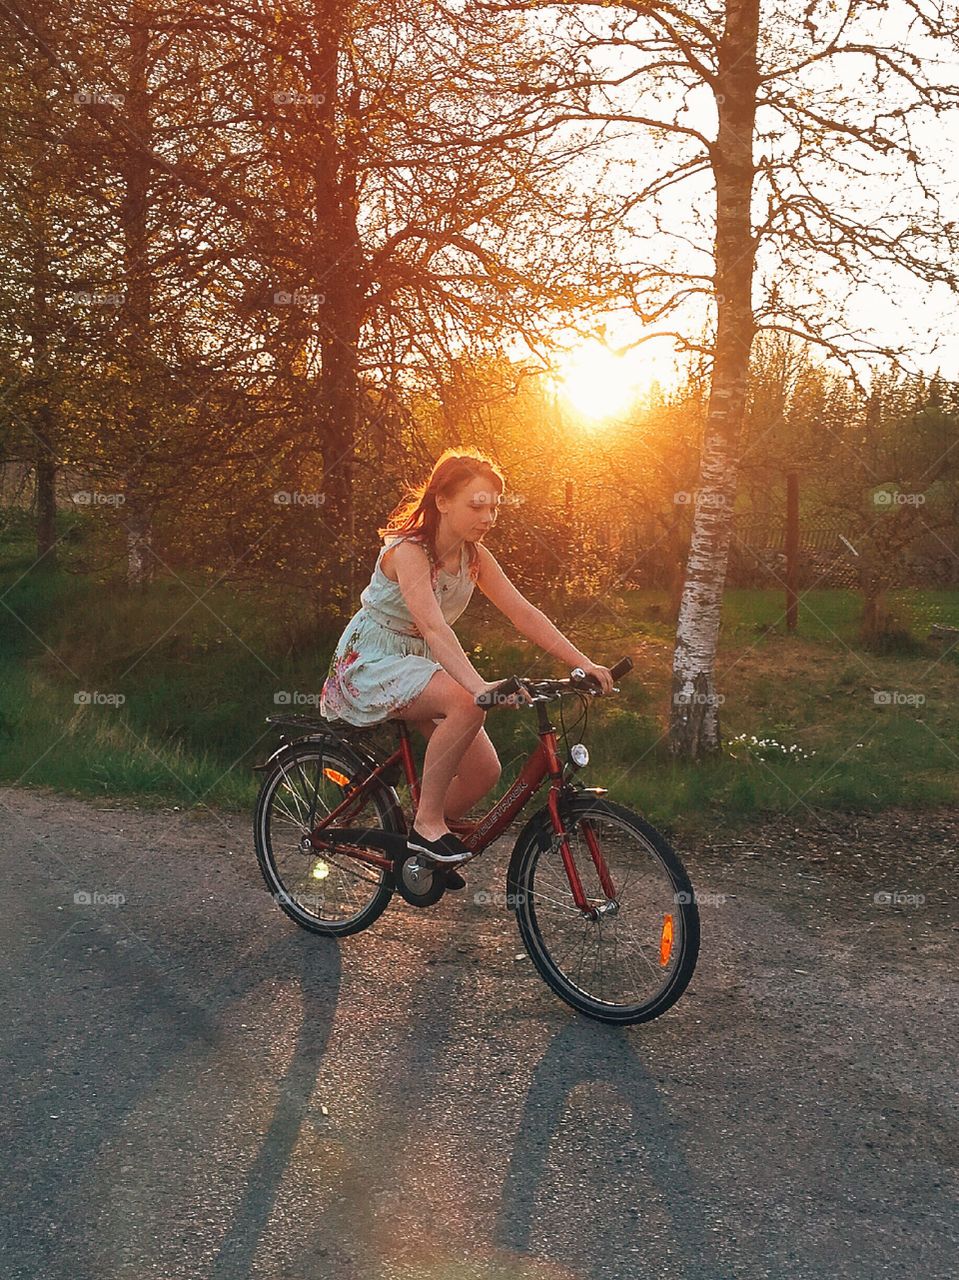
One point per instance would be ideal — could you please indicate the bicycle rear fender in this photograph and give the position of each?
(356, 756)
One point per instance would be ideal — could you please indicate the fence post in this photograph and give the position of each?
(792, 550)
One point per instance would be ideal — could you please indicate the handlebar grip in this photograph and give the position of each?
(620, 669)
(490, 697)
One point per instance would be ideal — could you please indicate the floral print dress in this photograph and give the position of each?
(382, 662)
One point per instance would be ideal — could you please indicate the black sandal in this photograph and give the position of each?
(448, 850)
(445, 851)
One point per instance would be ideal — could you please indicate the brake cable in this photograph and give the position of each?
(584, 719)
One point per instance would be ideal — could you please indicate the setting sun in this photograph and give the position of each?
(597, 383)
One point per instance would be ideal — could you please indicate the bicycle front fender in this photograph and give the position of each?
(540, 828)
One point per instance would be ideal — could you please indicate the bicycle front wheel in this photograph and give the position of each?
(629, 954)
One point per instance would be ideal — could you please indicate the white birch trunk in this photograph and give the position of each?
(694, 714)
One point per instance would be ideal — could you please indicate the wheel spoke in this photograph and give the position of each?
(608, 961)
(566, 906)
(291, 788)
(283, 811)
(337, 890)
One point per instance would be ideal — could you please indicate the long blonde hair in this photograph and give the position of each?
(418, 513)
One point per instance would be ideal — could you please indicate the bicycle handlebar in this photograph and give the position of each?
(578, 680)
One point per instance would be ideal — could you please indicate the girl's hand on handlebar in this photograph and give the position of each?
(602, 674)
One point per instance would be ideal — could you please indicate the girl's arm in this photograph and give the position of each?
(530, 621)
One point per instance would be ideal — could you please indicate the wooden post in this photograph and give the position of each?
(571, 542)
(792, 550)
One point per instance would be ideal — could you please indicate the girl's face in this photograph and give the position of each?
(472, 510)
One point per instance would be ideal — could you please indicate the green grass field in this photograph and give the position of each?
(198, 670)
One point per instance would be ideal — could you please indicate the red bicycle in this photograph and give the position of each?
(604, 906)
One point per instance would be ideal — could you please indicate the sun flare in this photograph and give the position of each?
(597, 383)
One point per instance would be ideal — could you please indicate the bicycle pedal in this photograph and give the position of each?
(444, 864)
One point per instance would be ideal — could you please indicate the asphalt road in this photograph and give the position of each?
(197, 1089)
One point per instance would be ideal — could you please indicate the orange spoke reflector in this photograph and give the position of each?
(666, 940)
(339, 778)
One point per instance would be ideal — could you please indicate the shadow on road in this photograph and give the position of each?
(319, 971)
(587, 1053)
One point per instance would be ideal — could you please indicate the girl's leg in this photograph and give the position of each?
(461, 720)
(479, 771)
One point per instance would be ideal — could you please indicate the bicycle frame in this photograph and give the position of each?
(478, 835)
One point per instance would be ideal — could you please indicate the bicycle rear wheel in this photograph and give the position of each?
(329, 893)
(629, 956)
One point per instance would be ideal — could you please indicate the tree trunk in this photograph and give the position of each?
(338, 272)
(140, 558)
(44, 417)
(694, 719)
(46, 472)
(137, 303)
(872, 583)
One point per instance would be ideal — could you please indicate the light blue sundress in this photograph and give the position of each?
(382, 662)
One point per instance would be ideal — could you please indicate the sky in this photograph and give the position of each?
(890, 307)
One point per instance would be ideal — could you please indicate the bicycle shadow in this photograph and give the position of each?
(382, 1150)
(589, 1053)
(169, 1024)
(319, 968)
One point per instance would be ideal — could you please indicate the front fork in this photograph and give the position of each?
(561, 836)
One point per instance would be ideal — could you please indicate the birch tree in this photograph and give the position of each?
(777, 160)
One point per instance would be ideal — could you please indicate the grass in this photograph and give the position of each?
(198, 669)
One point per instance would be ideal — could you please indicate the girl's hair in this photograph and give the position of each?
(418, 513)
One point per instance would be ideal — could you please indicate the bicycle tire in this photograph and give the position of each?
(523, 885)
(340, 759)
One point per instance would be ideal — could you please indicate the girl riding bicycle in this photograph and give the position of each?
(399, 658)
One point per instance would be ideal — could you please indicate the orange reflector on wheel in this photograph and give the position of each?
(666, 940)
(334, 776)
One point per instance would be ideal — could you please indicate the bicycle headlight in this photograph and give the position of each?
(579, 755)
